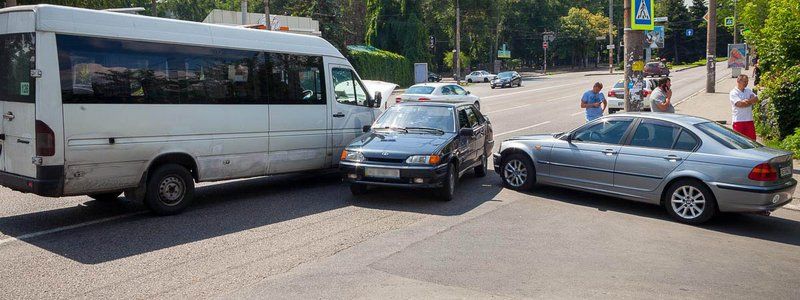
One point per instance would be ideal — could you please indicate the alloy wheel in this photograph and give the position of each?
(515, 173)
(688, 202)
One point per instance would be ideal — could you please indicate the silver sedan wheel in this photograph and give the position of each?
(688, 202)
(515, 173)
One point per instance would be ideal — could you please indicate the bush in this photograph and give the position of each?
(375, 64)
(778, 115)
(792, 143)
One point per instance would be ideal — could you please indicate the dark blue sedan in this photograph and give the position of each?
(419, 145)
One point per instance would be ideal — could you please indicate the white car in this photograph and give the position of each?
(616, 96)
(480, 76)
(438, 92)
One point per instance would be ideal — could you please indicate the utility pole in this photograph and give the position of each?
(244, 12)
(267, 20)
(735, 22)
(634, 48)
(711, 47)
(457, 56)
(610, 36)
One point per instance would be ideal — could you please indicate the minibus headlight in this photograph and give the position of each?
(354, 156)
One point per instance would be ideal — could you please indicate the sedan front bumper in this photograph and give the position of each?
(430, 176)
(739, 198)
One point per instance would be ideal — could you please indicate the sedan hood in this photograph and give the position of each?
(400, 145)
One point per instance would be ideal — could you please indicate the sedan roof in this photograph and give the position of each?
(685, 120)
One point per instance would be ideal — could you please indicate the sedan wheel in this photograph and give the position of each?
(689, 201)
(518, 172)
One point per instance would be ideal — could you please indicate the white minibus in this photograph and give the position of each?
(99, 103)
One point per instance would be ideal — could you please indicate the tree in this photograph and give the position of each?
(676, 44)
(397, 26)
(579, 29)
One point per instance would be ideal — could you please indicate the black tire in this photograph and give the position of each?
(170, 189)
(448, 188)
(105, 197)
(493, 86)
(481, 170)
(518, 172)
(486, 80)
(613, 110)
(689, 209)
(469, 80)
(358, 189)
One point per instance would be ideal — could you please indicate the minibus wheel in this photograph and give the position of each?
(170, 189)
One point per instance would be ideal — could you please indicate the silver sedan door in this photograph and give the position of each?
(655, 149)
(587, 159)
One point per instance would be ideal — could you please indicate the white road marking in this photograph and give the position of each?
(523, 128)
(577, 113)
(65, 228)
(533, 90)
(510, 108)
(565, 97)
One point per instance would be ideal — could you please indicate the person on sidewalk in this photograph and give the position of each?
(594, 102)
(742, 101)
(661, 98)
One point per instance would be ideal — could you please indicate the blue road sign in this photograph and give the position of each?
(642, 15)
(689, 32)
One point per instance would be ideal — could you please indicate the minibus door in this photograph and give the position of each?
(17, 103)
(350, 110)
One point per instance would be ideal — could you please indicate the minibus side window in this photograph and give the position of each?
(295, 79)
(347, 88)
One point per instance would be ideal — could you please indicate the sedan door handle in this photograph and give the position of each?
(672, 158)
(338, 115)
(9, 116)
(609, 152)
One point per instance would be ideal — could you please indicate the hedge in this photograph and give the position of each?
(375, 64)
(779, 113)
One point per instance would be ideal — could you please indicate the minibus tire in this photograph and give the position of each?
(170, 189)
(105, 197)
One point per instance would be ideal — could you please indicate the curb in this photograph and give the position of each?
(684, 69)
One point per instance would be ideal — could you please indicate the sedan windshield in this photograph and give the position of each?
(420, 90)
(619, 84)
(506, 75)
(417, 117)
(727, 137)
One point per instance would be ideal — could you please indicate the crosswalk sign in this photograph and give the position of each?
(642, 15)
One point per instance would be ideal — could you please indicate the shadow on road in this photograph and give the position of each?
(219, 210)
(769, 228)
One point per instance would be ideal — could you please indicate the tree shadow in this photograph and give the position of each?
(218, 210)
(769, 228)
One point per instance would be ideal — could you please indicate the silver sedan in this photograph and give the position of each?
(691, 166)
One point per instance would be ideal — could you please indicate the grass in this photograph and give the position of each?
(698, 63)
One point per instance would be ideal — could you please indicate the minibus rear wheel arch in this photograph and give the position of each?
(182, 159)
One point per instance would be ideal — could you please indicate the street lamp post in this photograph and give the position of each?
(457, 56)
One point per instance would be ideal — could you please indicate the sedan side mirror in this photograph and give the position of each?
(469, 93)
(366, 128)
(378, 99)
(466, 131)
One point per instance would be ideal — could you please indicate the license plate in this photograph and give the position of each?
(382, 173)
(786, 171)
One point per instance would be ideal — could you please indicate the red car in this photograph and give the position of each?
(656, 68)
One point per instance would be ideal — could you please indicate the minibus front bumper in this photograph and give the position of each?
(48, 185)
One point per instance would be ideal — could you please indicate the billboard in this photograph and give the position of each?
(737, 54)
(655, 38)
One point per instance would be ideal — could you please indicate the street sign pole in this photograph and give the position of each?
(711, 43)
(638, 16)
(610, 36)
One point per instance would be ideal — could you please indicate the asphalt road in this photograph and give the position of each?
(306, 236)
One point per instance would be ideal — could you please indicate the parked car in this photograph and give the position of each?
(480, 76)
(656, 68)
(691, 166)
(507, 79)
(438, 92)
(433, 77)
(419, 145)
(616, 96)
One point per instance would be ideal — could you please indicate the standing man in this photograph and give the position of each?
(742, 101)
(661, 98)
(594, 102)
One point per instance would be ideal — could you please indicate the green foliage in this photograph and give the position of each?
(397, 26)
(579, 28)
(779, 116)
(464, 58)
(792, 143)
(514, 64)
(375, 64)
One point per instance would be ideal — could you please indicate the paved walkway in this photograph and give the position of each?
(716, 106)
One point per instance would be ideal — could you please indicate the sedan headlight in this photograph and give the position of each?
(423, 160)
(354, 156)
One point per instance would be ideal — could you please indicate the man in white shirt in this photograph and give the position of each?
(742, 101)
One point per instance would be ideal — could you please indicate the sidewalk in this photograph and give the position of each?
(717, 107)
